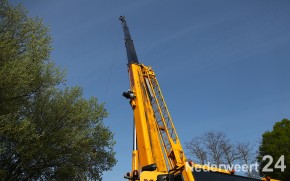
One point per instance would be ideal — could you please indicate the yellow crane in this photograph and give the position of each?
(157, 152)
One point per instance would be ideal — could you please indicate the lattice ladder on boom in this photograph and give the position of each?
(163, 119)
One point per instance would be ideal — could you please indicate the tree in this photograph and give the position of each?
(276, 143)
(46, 133)
(215, 148)
(24, 58)
(212, 147)
(230, 152)
(246, 155)
(197, 150)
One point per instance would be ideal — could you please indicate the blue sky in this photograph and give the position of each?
(222, 65)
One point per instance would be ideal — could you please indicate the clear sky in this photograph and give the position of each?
(222, 65)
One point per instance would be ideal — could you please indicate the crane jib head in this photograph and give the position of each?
(122, 18)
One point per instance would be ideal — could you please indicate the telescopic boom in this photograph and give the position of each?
(131, 52)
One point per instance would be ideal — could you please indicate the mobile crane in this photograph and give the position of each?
(157, 152)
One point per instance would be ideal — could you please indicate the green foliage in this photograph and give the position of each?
(45, 133)
(24, 58)
(276, 143)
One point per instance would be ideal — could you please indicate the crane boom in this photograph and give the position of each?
(158, 146)
(157, 152)
(131, 52)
